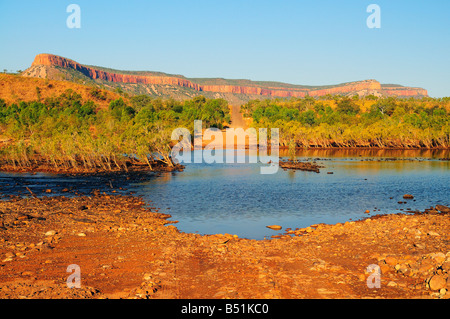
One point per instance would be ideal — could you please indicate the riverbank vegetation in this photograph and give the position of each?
(355, 122)
(68, 132)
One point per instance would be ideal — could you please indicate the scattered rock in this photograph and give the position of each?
(437, 282)
(408, 196)
(443, 209)
(419, 245)
(432, 233)
(438, 257)
(263, 264)
(27, 273)
(392, 261)
(426, 267)
(392, 284)
(50, 233)
(147, 277)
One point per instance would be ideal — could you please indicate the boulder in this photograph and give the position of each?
(443, 209)
(437, 282)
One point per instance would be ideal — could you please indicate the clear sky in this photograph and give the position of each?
(300, 42)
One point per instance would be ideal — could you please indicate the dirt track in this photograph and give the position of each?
(237, 120)
(126, 251)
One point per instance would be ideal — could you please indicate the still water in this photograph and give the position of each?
(235, 198)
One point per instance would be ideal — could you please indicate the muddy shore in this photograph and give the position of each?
(126, 250)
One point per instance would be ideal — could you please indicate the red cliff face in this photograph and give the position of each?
(403, 91)
(369, 85)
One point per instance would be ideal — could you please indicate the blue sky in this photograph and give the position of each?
(300, 42)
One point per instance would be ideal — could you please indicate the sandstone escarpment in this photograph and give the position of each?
(403, 91)
(255, 89)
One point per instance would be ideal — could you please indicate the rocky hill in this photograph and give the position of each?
(15, 89)
(179, 87)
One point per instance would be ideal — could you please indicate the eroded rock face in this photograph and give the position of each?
(403, 91)
(367, 86)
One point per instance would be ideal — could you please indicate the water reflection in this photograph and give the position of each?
(235, 198)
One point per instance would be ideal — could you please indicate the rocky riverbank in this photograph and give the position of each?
(127, 250)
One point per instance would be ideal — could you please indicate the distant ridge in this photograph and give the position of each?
(179, 87)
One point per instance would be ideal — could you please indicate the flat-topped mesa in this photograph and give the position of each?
(53, 60)
(366, 87)
(403, 91)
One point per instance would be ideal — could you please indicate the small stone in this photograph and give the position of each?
(147, 277)
(432, 233)
(437, 282)
(392, 284)
(50, 233)
(27, 273)
(81, 234)
(426, 267)
(9, 254)
(274, 227)
(385, 268)
(391, 260)
(48, 190)
(408, 196)
(443, 209)
(443, 291)
(438, 257)
(402, 268)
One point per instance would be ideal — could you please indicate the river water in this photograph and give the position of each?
(236, 198)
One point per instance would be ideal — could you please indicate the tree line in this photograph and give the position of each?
(65, 132)
(341, 121)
